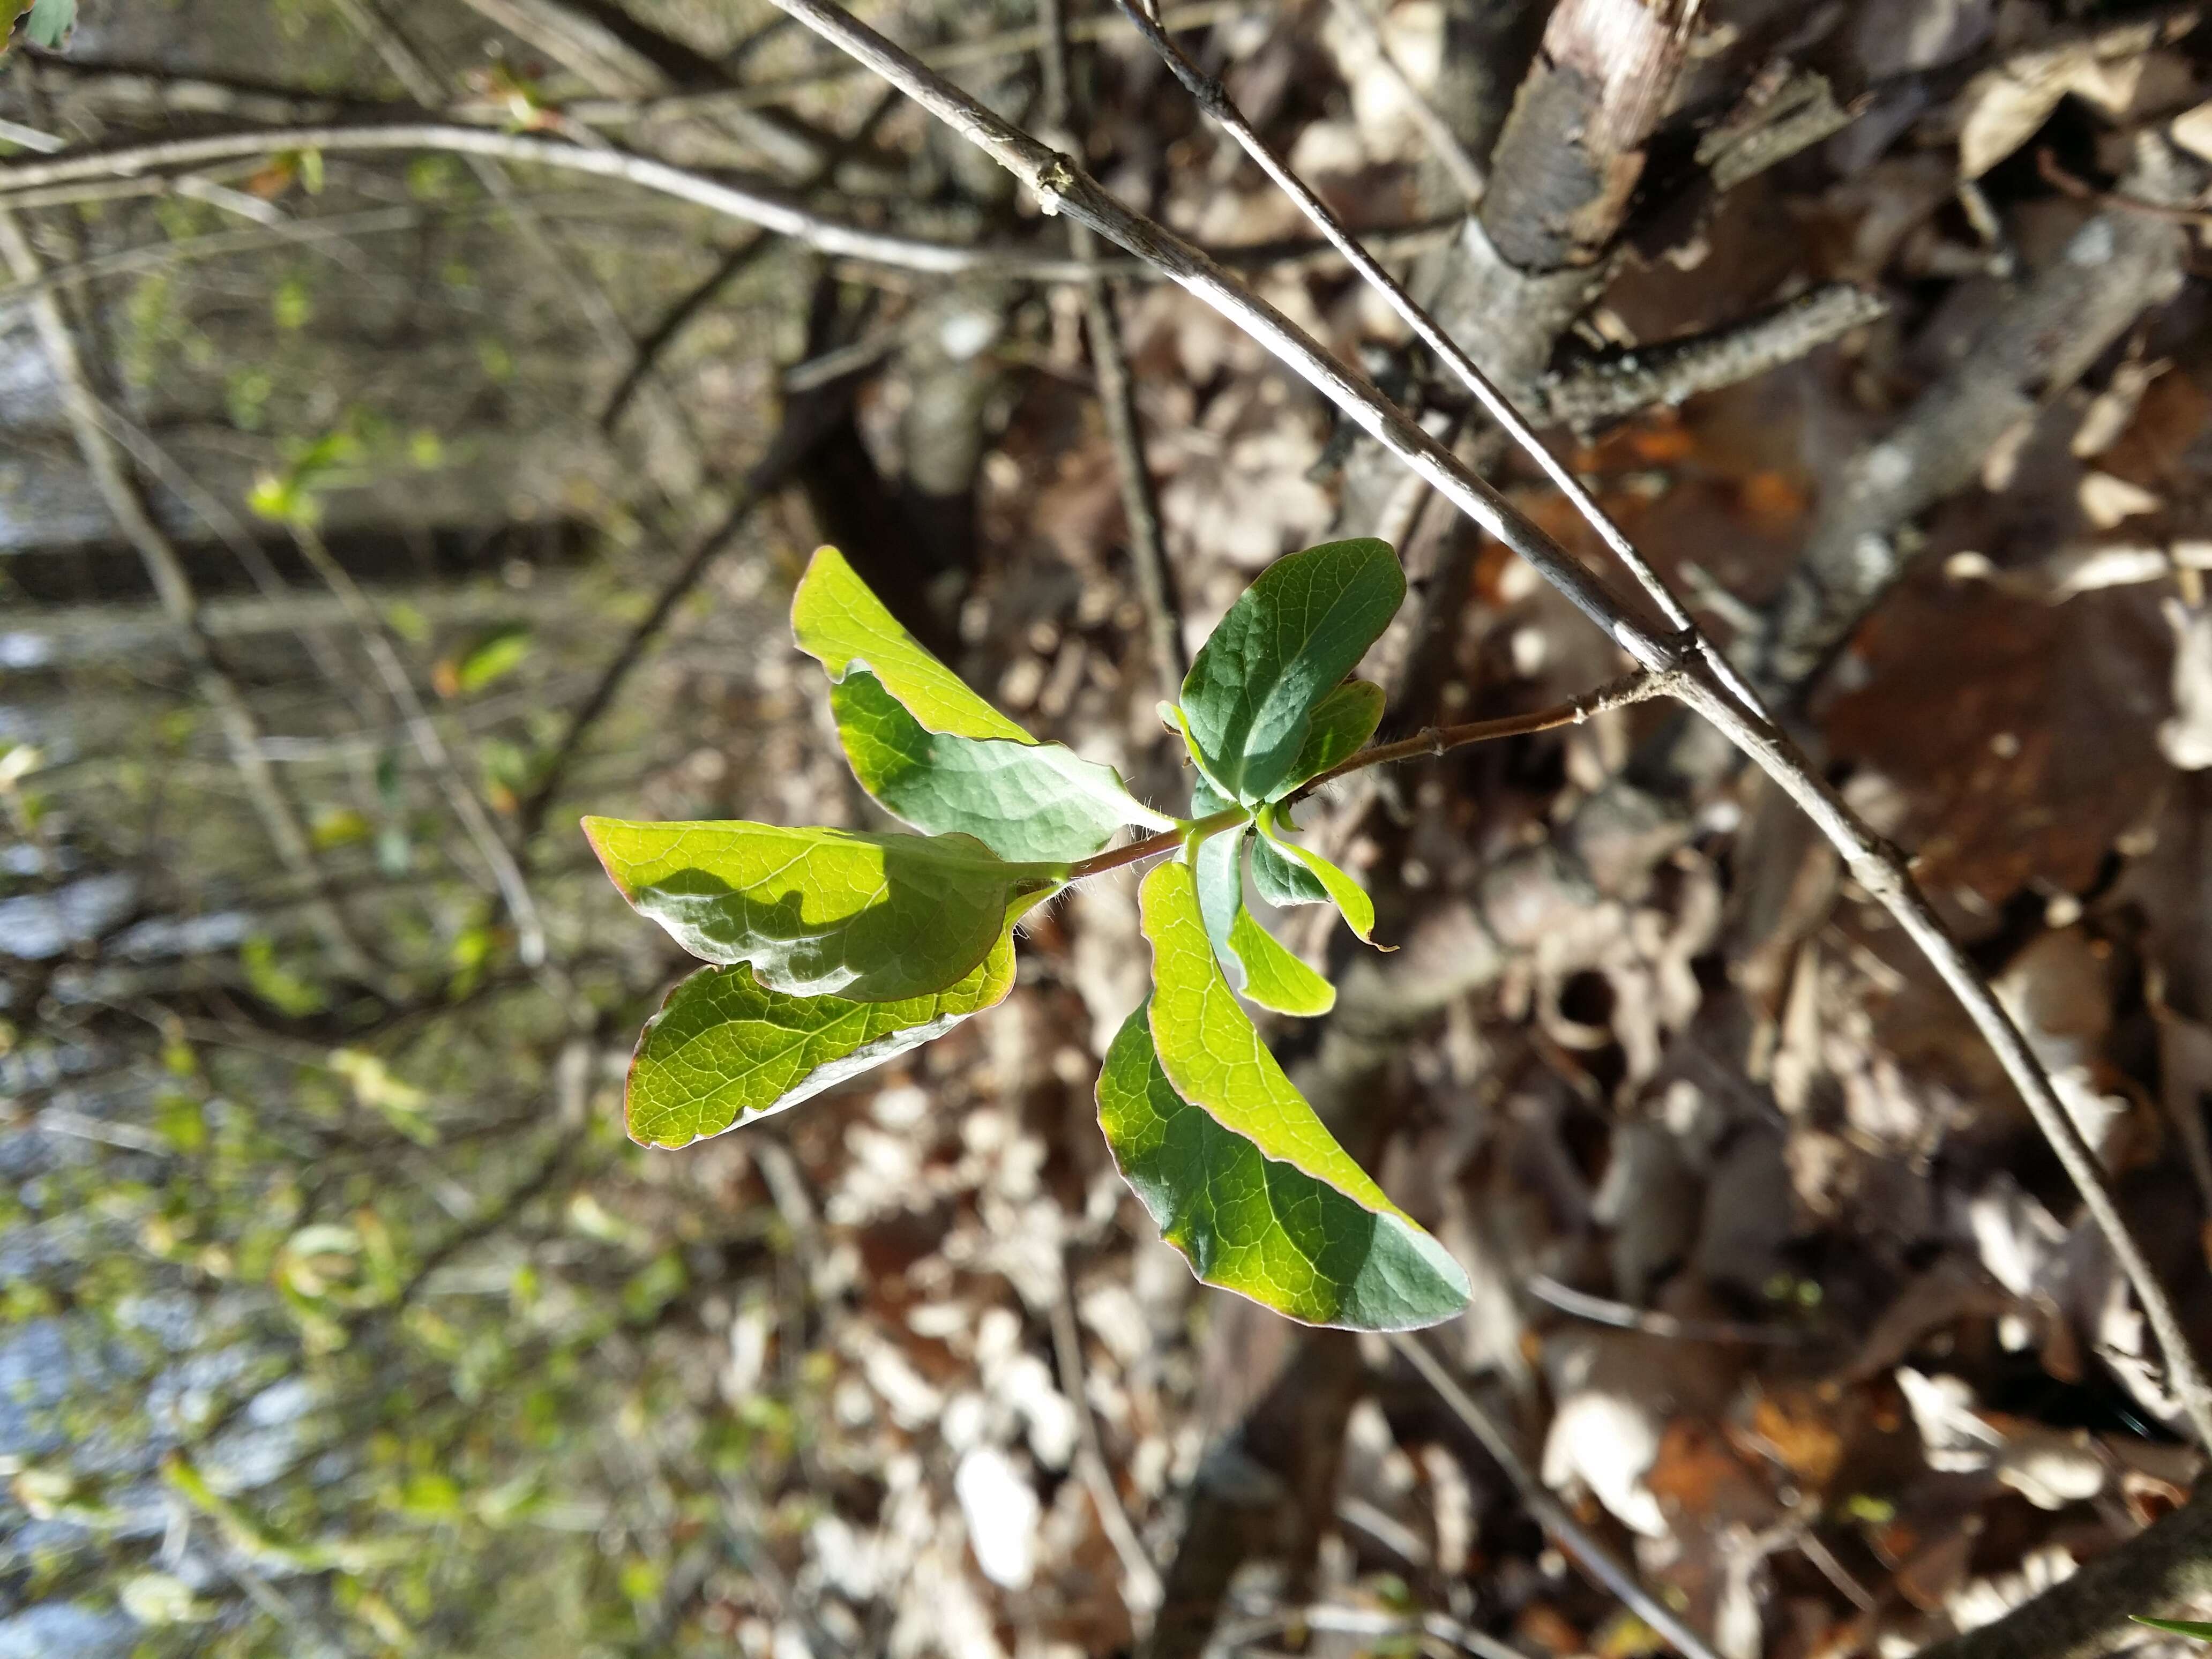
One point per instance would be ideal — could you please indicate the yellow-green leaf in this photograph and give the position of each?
(723, 1051)
(1244, 1178)
(838, 622)
(934, 753)
(821, 911)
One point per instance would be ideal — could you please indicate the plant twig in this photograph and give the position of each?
(1117, 402)
(111, 169)
(1879, 868)
(1635, 687)
(1550, 1513)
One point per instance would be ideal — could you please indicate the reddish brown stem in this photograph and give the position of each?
(1632, 687)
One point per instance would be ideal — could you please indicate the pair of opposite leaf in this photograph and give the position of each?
(837, 950)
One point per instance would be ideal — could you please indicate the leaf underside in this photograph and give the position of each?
(934, 753)
(1282, 880)
(820, 911)
(1329, 1248)
(1023, 800)
(1249, 697)
(1348, 895)
(724, 1051)
(1255, 963)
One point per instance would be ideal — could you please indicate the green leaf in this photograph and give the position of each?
(1347, 894)
(2176, 1627)
(1342, 722)
(1252, 958)
(838, 622)
(492, 657)
(722, 1051)
(1234, 1165)
(1282, 880)
(47, 23)
(1023, 800)
(935, 754)
(816, 912)
(1249, 697)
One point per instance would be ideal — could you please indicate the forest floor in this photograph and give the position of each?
(1778, 1289)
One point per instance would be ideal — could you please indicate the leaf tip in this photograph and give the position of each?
(595, 832)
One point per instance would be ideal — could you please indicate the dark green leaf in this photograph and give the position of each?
(723, 1051)
(1347, 894)
(1281, 880)
(822, 912)
(2176, 1627)
(1232, 1161)
(1249, 697)
(1342, 722)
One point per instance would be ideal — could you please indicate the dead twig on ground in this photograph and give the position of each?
(1622, 383)
(2164, 1570)
(1550, 1513)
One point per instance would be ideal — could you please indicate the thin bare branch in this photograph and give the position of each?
(115, 169)
(1214, 100)
(1879, 868)
(1117, 400)
(1621, 383)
